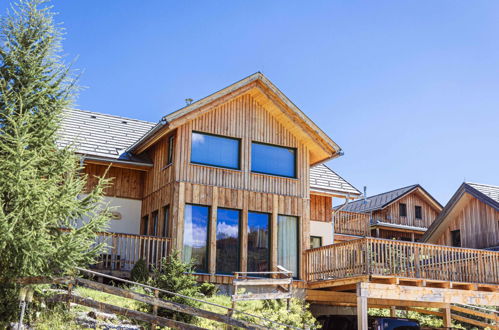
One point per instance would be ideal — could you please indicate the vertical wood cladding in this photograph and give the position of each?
(478, 223)
(391, 213)
(126, 183)
(321, 208)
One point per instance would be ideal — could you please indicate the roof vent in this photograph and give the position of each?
(92, 116)
(124, 122)
(188, 101)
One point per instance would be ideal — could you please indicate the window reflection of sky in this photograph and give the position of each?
(257, 221)
(272, 160)
(215, 150)
(196, 226)
(227, 223)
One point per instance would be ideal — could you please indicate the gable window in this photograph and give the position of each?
(315, 242)
(456, 238)
(196, 236)
(258, 242)
(215, 150)
(418, 211)
(402, 210)
(273, 160)
(227, 260)
(287, 243)
(171, 148)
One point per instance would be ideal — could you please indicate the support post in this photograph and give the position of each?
(447, 317)
(393, 311)
(361, 308)
(155, 309)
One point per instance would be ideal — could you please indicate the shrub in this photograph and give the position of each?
(208, 289)
(139, 272)
(175, 276)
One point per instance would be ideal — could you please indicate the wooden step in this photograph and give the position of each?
(263, 281)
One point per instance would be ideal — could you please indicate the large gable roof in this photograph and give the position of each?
(321, 146)
(380, 201)
(325, 180)
(485, 193)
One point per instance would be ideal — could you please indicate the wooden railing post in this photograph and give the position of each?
(155, 308)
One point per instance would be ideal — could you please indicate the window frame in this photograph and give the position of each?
(239, 238)
(171, 150)
(269, 224)
(416, 208)
(320, 239)
(208, 240)
(239, 140)
(295, 162)
(299, 239)
(404, 206)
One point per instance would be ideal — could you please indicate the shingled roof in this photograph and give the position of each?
(487, 190)
(98, 134)
(107, 136)
(380, 201)
(323, 179)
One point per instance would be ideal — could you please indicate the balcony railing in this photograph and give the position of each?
(374, 256)
(351, 223)
(124, 250)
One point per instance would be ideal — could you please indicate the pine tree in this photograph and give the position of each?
(41, 185)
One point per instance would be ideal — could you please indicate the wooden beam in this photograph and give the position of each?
(164, 303)
(263, 281)
(140, 316)
(144, 168)
(361, 308)
(212, 234)
(490, 316)
(425, 311)
(472, 322)
(438, 295)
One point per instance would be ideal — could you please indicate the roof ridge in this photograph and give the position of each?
(387, 192)
(110, 115)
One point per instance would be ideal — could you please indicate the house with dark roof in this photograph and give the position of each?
(402, 214)
(235, 181)
(470, 219)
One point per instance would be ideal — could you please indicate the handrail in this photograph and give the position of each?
(351, 223)
(378, 256)
(182, 296)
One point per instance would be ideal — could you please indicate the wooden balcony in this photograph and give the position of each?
(382, 257)
(124, 250)
(351, 223)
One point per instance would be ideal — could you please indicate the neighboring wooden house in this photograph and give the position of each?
(402, 214)
(225, 180)
(470, 219)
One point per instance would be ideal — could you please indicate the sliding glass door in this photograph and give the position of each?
(287, 243)
(258, 242)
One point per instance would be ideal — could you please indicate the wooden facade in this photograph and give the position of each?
(321, 208)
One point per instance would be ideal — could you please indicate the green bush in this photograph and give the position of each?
(175, 276)
(208, 289)
(139, 272)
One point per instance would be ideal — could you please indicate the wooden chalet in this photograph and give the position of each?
(401, 214)
(470, 219)
(236, 181)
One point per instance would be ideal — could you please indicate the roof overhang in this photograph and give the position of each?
(422, 192)
(333, 193)
(321, 146)
(139, 166)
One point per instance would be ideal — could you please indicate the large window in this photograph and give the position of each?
(196, 219)
(287, 243)
(274, 160)
(227, 241)
(215, 150)
(258, 242)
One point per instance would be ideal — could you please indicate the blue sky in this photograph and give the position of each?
(409, 89)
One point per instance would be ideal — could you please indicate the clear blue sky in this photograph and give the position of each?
(409, 89)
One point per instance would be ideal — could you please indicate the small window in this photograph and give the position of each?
(273, 160)
(214, 150)
(154, 223)
(456, 238)
(418, 211)
(145, 225)
(402, 210)
(171, 145)
(315, 242)
(166, 217)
